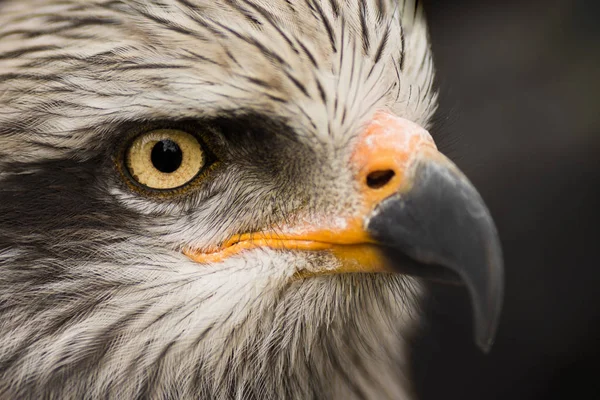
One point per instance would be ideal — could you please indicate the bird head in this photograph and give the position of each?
(224, 199)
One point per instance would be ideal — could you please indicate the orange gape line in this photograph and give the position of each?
(360, 257)
(276, 244)
(301, 239)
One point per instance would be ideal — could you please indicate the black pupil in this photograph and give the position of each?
(166, 156)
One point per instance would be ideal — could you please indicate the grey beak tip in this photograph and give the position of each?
(486, 345)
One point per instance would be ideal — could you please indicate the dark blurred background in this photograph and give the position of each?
(520, 86)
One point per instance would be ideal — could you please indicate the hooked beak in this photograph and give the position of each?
(421, 216)
(441, 229)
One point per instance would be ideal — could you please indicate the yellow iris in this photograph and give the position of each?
(165, 159)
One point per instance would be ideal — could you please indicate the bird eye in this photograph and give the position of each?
(165, 159)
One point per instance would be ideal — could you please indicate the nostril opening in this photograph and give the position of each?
(378, 179)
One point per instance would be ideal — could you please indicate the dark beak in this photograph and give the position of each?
(441, 229)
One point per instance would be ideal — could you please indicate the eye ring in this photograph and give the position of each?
(164, 159)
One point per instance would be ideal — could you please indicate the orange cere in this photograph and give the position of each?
(388, 143)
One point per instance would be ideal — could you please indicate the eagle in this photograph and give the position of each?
(225, 199)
